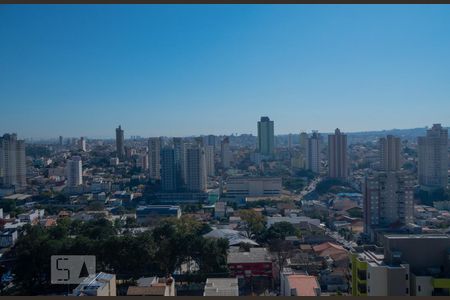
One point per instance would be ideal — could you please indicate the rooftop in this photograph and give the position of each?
(255, 255)
(221, 287)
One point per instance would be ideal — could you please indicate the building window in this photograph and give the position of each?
(406, 276)
(418, 288)
(407, 290)
(368, 275)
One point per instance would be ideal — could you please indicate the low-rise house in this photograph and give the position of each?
(153, 286)
(8, 237)
(221, 287)
(256, 263)
(299, 285)
(100, 284)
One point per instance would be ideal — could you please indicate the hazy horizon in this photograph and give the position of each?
(182, 70)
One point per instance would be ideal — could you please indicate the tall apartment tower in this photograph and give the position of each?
(180, 160)
(120, 146)
(154, 158)
(390, 153)
(209, 158)
(433, 158)
(60, 141)
(290, 141)
(313, 152)
(337, 155)
(74, 171)
(82, 144)
(266, 138)
(211, 141)
(196, 179)
(225, 153)
(388, 199)
(169, 180)
(12, 161)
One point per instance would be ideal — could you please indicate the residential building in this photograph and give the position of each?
(388, 200)
(120, 146)
(221, 287)
(299, 285)
(153, 286)
(100, 284)
(257, 262)
(180, 160)
(433, 158)
(407, 265)
(225, 153)
(82, 144)
(196, 179)
(151, 213)
(314, 152)
(8, 237)
(74, 171)
(209, 158)
(266, 138)
(169, 176)
(337, 155)
(12, 162)
(390, 159)
(154, 158)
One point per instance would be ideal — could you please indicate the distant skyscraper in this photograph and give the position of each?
(196, 169)
(290, 141)
(209, 157)
(168, 170)
(120, 146)
(211, 141)
(388, 200)
(266, 138)
(433, 158)
(225, 153)
(390, 153)
(154, 158)
(82, 144)
(74, 171)
(337, 155)
(12, 161)
(303, 141)
(313, 152)
(60, 141)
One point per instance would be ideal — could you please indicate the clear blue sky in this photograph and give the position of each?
(76, 70)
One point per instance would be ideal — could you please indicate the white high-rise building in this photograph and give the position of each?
(433, 158)
(314, 152)
(82, 144)
(388, 200)
(337, 155)
(12, 161)
(390, 153)
(225, 153)
(266, 137)
(74, 170)
(196, 179)
(154, 158)
(209, 157)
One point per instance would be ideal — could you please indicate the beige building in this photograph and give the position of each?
(390, 159)
(433, 158)
(154, 159)
(337, 155)
(388, 200)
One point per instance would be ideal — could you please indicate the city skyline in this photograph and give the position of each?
(193, 70)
